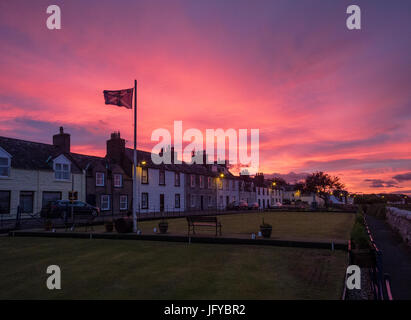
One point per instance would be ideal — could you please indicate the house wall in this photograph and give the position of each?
(263, 197)
(276, 195)
(154, 189)
(95, 192)
(233, 194)
(248, 196)
(38, 181)
(208, 195)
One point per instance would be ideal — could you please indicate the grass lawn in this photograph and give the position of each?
(301, 225)
(127, 269)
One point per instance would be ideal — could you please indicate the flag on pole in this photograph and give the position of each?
(124, 98)
(121, 98)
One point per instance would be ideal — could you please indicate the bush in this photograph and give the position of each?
(359, 236)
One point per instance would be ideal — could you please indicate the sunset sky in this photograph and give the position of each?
(323, 97)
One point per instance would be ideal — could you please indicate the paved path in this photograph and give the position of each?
(396, 257)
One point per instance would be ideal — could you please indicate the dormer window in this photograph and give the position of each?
(62, 171)
(62, 168)
(4, 167)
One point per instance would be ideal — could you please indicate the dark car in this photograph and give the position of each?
(232, 206)
(64, 208)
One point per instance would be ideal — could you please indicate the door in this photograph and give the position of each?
(161, 202)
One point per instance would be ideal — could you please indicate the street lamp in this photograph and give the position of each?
(221, 175)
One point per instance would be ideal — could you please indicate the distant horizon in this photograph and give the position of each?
(323, 97)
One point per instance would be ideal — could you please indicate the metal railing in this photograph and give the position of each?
(380, 281)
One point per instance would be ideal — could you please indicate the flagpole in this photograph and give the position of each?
(135, 161)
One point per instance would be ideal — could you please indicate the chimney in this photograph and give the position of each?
(116, 147)
(259, 178)
(62, 140)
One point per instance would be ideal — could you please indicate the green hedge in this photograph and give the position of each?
(359, 235)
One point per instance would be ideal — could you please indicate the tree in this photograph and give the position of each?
(322, 184)
(279, 182)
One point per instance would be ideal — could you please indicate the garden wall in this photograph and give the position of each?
(400, 221)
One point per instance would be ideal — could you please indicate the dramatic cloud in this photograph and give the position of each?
(378, 183)
(290, 177)
(403, 177)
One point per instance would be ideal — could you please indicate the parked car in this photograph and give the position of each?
(253, 206)
(58, 209)
(232, 206)
(243, 205)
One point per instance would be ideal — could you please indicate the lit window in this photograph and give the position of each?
(118, 180)
(4, 167)
(123, 202)
(62, 171)
(100, 179)
(201, 182)
(105, 202)
(193, 180)
(209, 182)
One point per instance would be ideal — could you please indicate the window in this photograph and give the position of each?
(193, 180)
(4, 202)
(220, 184)
(49, 196)
(144, 175)
(26, 201)
(193, 200)
(177, 200)
(118, 180)
(210, 201)
(105, 202)
(209, 183)
(176, 179)
(100, 179)
(62, 171)
(201, 182)
(4, 167)
(123, 202)
(162, 178)
(144, 200)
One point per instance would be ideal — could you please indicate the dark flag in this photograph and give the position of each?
(121, 98)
